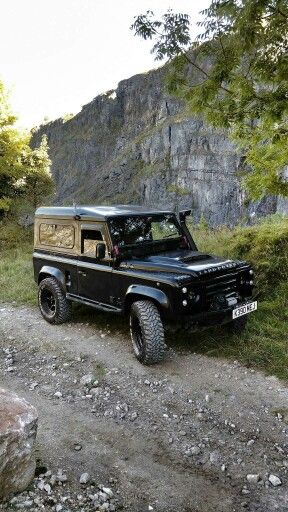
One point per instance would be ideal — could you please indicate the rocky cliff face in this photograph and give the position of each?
(138, 145)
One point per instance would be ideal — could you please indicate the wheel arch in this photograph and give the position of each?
(47, 271)
(141, 292)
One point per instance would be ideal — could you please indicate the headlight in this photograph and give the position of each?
(184, 290)
(251, 283)
(184, 302)
(251, 272)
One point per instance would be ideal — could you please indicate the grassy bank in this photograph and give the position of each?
(16, 272)
(265, 245)
(265, 341)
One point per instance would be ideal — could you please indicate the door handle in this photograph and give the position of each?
(82, 273)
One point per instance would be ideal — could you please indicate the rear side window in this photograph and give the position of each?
(89, 240)
(57, 235)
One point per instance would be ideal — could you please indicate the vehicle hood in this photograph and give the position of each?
(182, 262)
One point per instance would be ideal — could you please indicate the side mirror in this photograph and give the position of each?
(100, 251)
(183, 214)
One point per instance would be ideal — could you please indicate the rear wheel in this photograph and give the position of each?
(147, 332)
(54, 306)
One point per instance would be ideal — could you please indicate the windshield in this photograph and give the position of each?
(131, 231)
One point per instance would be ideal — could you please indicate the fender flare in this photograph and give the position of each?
(53, 272)
(148, 292)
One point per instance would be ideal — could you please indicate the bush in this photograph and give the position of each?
(16, 269)
(13, 236)
(264, 245)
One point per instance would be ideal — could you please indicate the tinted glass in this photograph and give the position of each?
(57, 235)
(89, 240)
(137, 230)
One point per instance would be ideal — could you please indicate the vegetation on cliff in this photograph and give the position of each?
(236, 75)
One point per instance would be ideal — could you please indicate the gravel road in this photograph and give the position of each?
(190, 434)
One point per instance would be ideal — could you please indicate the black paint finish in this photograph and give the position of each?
(179, 279)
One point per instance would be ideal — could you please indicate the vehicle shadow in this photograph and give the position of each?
(100, 319)
(214, 341)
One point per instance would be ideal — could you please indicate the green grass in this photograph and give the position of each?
(265, 342)
(264, 345)
(16, 277)
(264, 245)
(16, 269)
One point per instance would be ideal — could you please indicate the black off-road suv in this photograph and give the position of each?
(140, 262)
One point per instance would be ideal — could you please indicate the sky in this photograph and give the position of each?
(57, 55)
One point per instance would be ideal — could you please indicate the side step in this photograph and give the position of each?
(93, 303)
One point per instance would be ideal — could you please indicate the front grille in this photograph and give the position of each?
(222, 285)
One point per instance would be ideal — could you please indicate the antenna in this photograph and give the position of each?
(76, 216)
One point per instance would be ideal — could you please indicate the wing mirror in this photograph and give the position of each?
(100, 251)
(183, 214)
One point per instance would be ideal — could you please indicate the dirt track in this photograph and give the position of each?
(179, 436)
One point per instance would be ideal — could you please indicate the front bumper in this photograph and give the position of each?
(212, 317)
(209, 318)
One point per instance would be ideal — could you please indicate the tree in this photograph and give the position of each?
(235, 74)
(24, 172)
(38, 183)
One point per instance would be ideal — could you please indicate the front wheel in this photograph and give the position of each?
(54, 306)
(147, 332)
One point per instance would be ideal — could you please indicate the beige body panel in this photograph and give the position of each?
(41, 236)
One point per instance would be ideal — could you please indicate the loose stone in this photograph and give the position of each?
(252, 479)
(84, 478)
(88, 379)
(274, 480)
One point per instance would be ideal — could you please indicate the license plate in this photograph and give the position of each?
(244, 309)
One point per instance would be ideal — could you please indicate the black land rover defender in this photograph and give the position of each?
(135, 261)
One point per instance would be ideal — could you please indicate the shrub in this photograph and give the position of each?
(264, 245)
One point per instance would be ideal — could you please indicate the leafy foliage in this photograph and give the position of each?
(24, 172)
(236, 75)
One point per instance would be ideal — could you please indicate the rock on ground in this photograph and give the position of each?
(274, 480)
(18, 427)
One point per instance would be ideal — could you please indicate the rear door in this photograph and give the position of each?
(94, 276)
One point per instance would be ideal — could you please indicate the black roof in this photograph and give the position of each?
(96, 212)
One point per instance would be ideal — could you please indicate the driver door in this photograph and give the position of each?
(94, 276)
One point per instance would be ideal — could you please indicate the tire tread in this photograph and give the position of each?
(152, 326)
(64, 308)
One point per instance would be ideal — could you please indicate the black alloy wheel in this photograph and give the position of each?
(52, 301)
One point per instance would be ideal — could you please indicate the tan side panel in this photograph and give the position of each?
(90, 245)
(56, 235)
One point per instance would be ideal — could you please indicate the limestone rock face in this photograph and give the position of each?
(18, 427)
(139, 145)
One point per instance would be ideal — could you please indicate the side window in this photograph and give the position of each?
(89, 240)
(57, 235)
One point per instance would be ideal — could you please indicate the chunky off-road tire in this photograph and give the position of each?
(54, 306)
(237, 326)
(147, 332)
